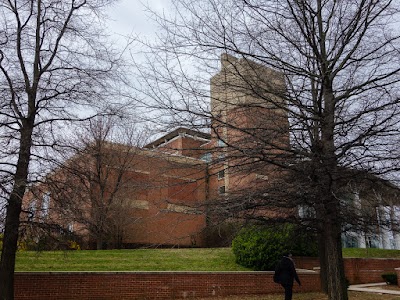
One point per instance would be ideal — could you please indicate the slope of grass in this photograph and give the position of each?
(214, 259)
(221, 259)
(370, 252)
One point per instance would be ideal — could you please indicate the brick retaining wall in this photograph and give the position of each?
(368, 270)
(150, 285)
(397, 271)
(308, 263)
(357, 270)
(183, 285)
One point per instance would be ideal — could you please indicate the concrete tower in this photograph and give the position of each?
(249, 120)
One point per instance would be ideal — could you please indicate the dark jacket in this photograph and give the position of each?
(285, 272)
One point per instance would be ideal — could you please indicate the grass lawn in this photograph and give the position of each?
(213, 259)
(371, 252)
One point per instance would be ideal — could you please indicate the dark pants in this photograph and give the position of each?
(288, 291)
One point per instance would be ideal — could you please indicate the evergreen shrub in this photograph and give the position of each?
(390, 278)
(260, 247)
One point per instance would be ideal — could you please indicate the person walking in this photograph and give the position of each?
(285, 274)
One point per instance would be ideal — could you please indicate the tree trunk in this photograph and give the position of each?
(10, 243)
(13, 211)
(336, 280)
(322, 261)
(99, 244)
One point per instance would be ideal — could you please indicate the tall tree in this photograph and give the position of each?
(339, 64)
(56, 68)
(90, 188)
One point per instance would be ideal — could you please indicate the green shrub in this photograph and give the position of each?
(260, 248)
(73, 245)
(390, 278)
(22, 246)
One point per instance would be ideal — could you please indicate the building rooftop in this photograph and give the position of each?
(181, 131)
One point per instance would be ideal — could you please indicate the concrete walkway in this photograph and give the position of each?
(369, 287)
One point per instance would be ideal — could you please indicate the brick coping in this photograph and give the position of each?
(300, 271)
(373, 258)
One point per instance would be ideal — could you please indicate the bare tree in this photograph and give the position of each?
(91, 187)
(56, 68)
(331, 68)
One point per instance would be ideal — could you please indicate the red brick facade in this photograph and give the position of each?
(170, 180)
(368, 270)
(357, 270)
(184, 285)
(163, 201)
(150, 285)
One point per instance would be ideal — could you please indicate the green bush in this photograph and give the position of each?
(73, 245)
(260, 248)
(21, 245)
(390, 278)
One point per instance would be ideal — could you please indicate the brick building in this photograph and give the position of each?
(156, 199)
(164, 188)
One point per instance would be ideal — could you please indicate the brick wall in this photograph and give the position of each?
(368, 270)
(397, 271)
(357, 270)
(308, 263)
(150, 285)
(183, 285)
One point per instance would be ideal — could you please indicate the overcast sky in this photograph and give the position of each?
(130, 16)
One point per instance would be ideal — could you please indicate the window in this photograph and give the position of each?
(221, 143)
(32, 210)
(392, 243)
(182, 209)
(306, 212)
(221, 190)
(221, 157)
(221, 174)
(139, 204)
(372, 241)
(262, 177)
(45, 204)
(350, 241)
(206, 157)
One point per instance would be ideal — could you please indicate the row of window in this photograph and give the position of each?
(44, 209)
(207, 157)
(371, 241)
(221, 190)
